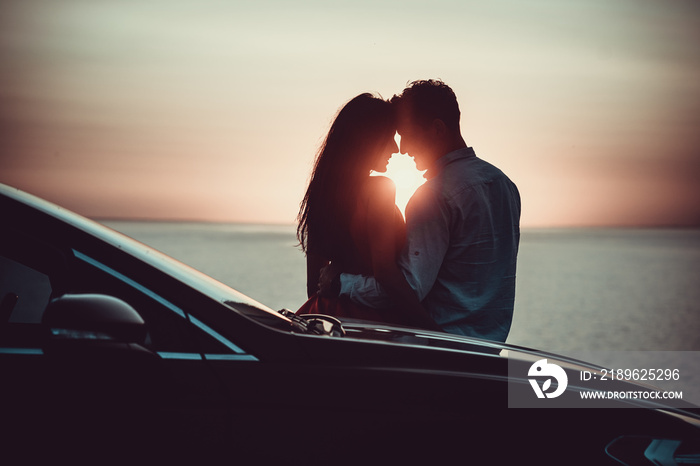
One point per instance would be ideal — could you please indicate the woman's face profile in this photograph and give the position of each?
(384, 154)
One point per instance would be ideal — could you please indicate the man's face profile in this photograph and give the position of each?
(413, 138)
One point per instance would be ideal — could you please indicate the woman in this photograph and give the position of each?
(349, 219)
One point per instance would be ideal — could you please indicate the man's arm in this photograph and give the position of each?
(427, 240)
(364, 290)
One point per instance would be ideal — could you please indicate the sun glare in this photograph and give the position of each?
(402, 170)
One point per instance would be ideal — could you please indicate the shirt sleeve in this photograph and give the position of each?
(364, 290)
(427, 239)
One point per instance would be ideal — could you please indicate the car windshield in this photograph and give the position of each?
(192, 277)
(176, 269)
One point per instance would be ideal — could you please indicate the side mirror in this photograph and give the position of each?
(94, 317)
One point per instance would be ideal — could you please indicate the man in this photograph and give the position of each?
(462, 224)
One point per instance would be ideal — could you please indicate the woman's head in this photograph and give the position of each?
(360, 133)
(360, 139)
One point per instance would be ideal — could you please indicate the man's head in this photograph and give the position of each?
(428, 121)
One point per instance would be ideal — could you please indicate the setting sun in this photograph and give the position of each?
(402, 170)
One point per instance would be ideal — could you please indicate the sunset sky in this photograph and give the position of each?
(213, 110)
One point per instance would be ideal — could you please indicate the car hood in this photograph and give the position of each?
(501, 360)
(401, 335)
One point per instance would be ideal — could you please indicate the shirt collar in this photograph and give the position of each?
(442, 162)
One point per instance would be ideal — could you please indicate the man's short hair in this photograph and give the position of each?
(427, 100)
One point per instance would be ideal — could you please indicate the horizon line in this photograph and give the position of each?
(648, 226)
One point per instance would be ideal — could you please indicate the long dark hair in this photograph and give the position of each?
(360, 130)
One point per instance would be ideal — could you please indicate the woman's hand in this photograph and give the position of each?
(329, 281)
(314, 264)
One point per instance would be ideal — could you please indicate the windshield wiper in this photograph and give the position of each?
(315, 324)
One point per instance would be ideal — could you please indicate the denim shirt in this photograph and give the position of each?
(462, 237)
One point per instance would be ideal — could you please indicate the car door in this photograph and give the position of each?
(61, 384)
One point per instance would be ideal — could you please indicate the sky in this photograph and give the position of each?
(214, 110)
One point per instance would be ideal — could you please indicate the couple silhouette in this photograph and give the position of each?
(450, 266)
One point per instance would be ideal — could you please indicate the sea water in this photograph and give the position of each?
(577, 289)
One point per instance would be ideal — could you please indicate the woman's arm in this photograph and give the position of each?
(381, 213)
(314, 264)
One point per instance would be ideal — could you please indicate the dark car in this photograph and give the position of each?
(112, 350)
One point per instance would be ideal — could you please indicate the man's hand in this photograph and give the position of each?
(329, 281)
